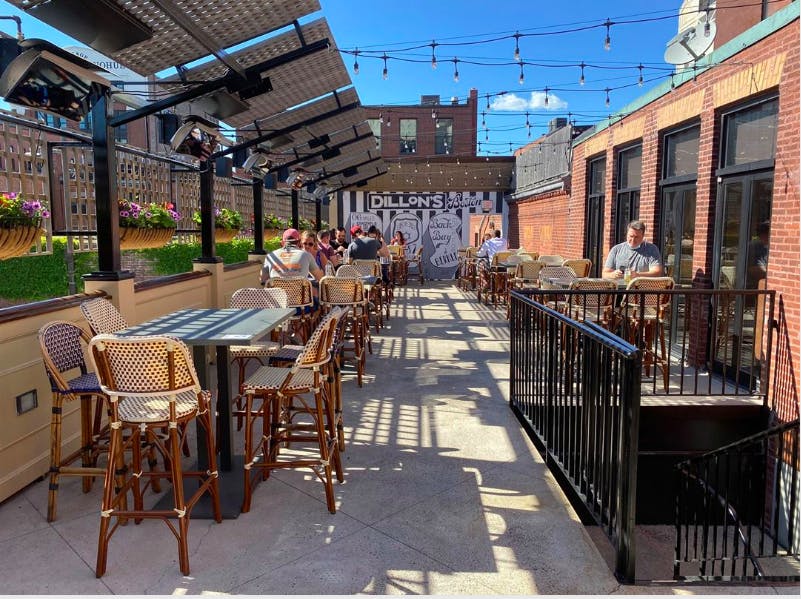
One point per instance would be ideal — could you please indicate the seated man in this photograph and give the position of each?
(492, 246)
(639, 257)
(290, 260)
(361, 246)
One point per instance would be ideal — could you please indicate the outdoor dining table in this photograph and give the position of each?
(219, 328)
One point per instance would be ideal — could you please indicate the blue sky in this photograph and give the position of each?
(377, 26)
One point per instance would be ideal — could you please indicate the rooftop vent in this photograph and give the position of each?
(429, 100)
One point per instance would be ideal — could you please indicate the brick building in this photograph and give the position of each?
(708, 163)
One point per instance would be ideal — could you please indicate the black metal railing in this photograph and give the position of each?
(737, 512)
(575, 387)
(697, 342)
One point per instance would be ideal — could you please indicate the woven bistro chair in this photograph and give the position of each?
(375, 292)
(299, 295)
(63, 354)
(594, 306)
(348, 292)
(466, 270)
(527, 275)
(644, 316)
(397, 267)
(277, 388)
(242, 355)
(580, 266)
(152, 385)
(551, 259)
(103, 316)
(416, 261)
(565, 276)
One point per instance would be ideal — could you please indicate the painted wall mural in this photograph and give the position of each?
(440, 222)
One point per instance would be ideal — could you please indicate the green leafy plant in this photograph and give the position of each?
(16, 211)
(311, 225)
(271, 221)
(148, 216)
(223, 218)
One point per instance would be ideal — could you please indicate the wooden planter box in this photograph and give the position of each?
(270, 233)
(132, 238)
(17, 241)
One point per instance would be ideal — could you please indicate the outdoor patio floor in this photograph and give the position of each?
(443, 494)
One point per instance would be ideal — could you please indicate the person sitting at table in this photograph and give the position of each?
(383, 251)
(362, 247)
(326, 253)
(639, 257)
(398, 239)
(290, 260)
(492, 246)
(338, 240)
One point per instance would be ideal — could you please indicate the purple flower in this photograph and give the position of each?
(124, 213)
(45, 214)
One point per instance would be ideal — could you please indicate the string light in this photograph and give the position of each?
(488, 102)
(381, 117)
(581, 78)
(546, 95)
(517, 46)
(608, 41)
(707, 27)
(434, 113)
(389, 119)
(356, 61)
(483, 119)
(385, 73)
(607, 90)
(522, 78)
(455, 70)
(433, 56)
(640, 80)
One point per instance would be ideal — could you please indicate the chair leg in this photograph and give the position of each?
(55, 456)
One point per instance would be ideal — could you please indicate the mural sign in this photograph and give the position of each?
(440, 221)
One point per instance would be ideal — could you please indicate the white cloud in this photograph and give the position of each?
(513, 102)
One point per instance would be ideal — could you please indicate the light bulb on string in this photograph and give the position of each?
(433, 56)
(707, 27)
(483, 119)
(517, 46)
(389, 119)
(640, 80)
(486, 134)
(581, 78)
(608, 40)
(385, 73)
(607, 90)
(488, 102)
(381, 117)
(522, 78)
(546, 95)
(672, 82)
(455, 70)
(356, 61)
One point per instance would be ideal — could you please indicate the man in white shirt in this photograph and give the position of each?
(492, 246)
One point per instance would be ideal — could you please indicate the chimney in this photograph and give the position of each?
(556, 123)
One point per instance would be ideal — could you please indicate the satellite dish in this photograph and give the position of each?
(692, 43)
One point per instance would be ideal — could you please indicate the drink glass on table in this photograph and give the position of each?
(627, 275)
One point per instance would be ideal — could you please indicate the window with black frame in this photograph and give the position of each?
(678, 201)
(408, 136)
(627, 200)
(594, 217)
(443, 137)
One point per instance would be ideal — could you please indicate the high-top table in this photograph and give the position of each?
(220, 328)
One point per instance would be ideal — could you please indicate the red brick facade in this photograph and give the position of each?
(555, 222)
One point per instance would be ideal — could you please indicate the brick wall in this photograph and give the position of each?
(555, 223)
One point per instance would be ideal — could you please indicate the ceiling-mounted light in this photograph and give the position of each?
(433, 56)
(296, 179)
(581, 78)
(198, 137)
(256, 160)
(356, 61)
(45, 78)
(608, 40)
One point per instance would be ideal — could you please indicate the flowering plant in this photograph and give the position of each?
(15, 210)
(148, 216)
(223, 219)
(271, 221)
(311, 225)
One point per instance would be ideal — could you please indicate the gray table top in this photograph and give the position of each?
(214, 326)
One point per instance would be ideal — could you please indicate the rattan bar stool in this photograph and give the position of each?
(242, 355)
(349, 292)
(152, 385)
(299, 296)
(375, 292)
(580, 266)
(63, 353)
(278, 388)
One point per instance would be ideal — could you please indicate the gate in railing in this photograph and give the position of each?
(737, 512)
(575, 388)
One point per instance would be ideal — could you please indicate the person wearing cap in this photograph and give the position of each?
(290, 260)
(361, 246)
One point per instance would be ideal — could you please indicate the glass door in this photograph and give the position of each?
(594, 239)
(677, 239)
(742, 248)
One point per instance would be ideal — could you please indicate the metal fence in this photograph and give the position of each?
(737, 512)
(575, 387)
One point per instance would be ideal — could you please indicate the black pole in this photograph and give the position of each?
(207, 212)
(108, 224)
(258, 216)
(295, 212)
(318, 214)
